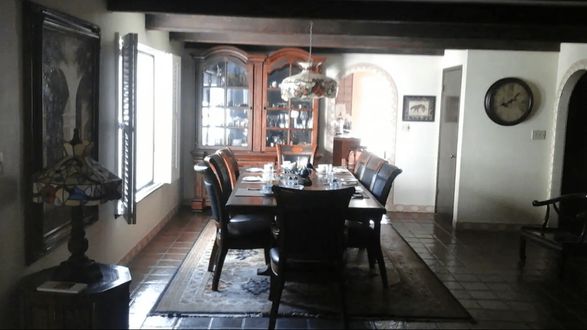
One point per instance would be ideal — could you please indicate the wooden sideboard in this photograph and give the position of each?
(341, 148)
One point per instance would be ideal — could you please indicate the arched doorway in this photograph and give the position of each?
(574, 175)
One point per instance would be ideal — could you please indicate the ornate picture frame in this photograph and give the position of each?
(419, 108)
(61, 75)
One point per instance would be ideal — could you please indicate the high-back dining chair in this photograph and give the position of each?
(361, 163)
(302, 154)
(230, 160)
(373, 165)
(243, 231)
(216, 162)
(361, 233)
(314, 255)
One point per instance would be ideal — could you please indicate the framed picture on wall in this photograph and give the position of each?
(61, 72)
(419, 108)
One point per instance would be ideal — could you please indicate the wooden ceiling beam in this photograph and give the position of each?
(366, 42)
(513, 12)
(290, 26)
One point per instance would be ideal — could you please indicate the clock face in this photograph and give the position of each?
(508, 101)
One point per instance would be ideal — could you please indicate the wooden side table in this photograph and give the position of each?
(341, 148)
(102, 305)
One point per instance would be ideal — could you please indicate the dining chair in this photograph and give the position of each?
(242, 231)
(301, 154)
(370, 170)
(361, 233)
(218, 165)
(302, 255)
(231, 162)
(361, 163)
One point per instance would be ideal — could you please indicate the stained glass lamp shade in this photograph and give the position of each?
(308, 85)
(77, 180)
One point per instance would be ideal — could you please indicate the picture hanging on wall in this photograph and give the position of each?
(419, 108)
(61, 74)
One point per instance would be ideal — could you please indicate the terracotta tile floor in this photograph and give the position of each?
(478, 267)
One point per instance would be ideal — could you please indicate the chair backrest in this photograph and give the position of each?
(382, 182)
(230, 160)
(214, 194)
(370, 169)
(311, 223)
(353, 158)
(216, 163)
(360, 165)
(302, 154)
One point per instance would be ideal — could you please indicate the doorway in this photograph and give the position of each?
(574, 176)
(447, 141)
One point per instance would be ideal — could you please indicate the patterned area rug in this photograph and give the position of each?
(415, 293)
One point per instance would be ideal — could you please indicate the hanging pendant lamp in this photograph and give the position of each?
(308, 85)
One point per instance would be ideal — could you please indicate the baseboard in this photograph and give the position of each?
(487, 226)
(145, 240)
(410, 208)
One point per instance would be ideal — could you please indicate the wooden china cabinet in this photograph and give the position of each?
(239, 105)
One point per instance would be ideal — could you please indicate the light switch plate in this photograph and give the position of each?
(538, 134)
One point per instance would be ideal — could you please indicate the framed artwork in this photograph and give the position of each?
(61, 75)
(419, 108)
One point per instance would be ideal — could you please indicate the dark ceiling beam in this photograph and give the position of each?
(290, 26)
(204, 47)
(514, 12)
(366, 42)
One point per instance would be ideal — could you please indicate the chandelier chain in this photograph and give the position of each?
(310, 54)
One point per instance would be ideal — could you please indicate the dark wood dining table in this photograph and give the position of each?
(365, 208)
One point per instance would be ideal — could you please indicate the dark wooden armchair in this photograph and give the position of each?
(311, 241)
(568, 237)
(243, 231)
(302, 154)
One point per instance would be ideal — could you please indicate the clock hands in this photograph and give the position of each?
(507, 103)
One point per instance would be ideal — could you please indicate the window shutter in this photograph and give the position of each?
(126, 128)
(176, 131)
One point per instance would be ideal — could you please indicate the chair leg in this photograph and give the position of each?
(219, 263)
(522, 253)
(382, 269)
(212, 261)
(371, 253)
(276, 300)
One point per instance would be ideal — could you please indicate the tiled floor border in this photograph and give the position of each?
(145, 240)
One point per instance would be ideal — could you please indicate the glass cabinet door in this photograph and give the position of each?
(287, 122)
(226, 105)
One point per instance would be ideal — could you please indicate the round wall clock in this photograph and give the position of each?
(509, 101)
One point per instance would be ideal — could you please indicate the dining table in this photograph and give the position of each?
(247, 195)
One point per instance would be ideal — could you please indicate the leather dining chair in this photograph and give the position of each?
(370, 170)
(361, 163)
(230, 160)
(242, 231)
(216, 162)
(302, 255)
(361, 233)
(302, 154)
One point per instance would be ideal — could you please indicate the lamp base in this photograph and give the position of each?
(87, 272)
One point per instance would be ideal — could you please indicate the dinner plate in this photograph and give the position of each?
(255, 170)
(252, 178)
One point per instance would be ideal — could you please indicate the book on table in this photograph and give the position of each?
(62, 287)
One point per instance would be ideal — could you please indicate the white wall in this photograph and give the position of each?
(109, 239)
(502, 170)
(416, 147)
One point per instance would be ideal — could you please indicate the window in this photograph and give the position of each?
(148, 121)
